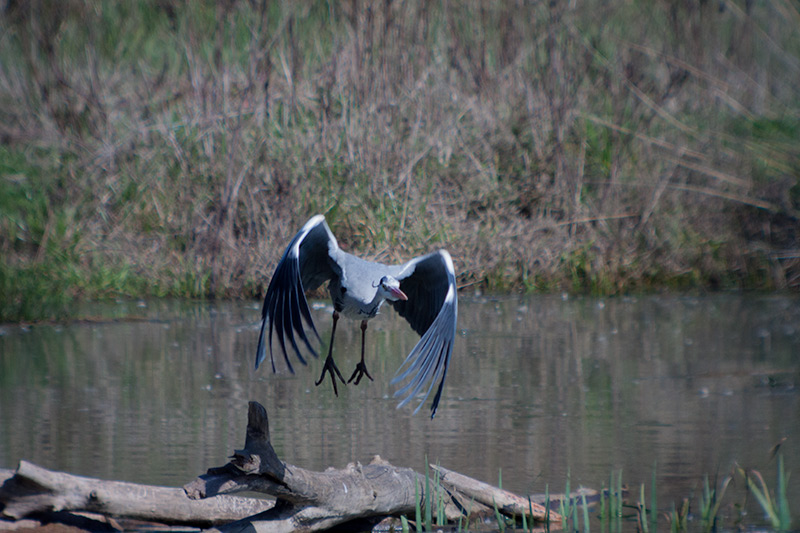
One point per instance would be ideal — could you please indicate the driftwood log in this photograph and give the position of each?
(357, 496)
(34, 491)
(313, 501)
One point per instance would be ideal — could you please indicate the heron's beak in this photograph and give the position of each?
(397, 293)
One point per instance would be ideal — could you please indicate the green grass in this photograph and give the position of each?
(33, 292)
(644, 524)
(609, 514)
(679, 516)
(429, 500)
(728, 503)
(418, 506)
(181, 145)
(710, 501)
(774, 503)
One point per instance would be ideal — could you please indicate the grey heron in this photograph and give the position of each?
(422, 290)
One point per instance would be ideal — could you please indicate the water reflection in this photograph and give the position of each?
(538, 387)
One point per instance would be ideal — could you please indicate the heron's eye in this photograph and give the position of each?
(344, 290)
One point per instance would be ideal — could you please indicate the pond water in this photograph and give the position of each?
(539, 389)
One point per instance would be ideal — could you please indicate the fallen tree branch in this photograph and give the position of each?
(314, 501)
(33, 489)
(506, 502)
(361, 495)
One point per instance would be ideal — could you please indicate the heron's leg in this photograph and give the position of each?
(361, 368)
(330, 365)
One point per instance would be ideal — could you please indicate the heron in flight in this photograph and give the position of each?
(423, 291)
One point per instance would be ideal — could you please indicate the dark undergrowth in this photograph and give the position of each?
(172, 149)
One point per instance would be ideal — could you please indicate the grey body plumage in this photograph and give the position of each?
(422, 290)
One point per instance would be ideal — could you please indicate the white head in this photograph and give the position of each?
(389, 289)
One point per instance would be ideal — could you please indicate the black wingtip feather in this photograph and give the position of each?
(280, 328)
(286, 311)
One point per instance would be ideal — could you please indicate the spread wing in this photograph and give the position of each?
(429, 282)
(306, 264)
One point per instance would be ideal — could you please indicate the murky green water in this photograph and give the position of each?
(538, 387)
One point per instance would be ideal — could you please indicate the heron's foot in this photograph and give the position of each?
(333, 370)
(360, 372)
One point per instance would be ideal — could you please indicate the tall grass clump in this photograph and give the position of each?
(182, 144)
(720, 505)
(774, 503)
(710, 501)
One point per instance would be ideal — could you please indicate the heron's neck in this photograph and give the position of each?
(372, 308)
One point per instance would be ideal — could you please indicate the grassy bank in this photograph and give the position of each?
(150, 148)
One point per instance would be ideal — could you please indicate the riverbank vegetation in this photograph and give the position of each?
(152, 149)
